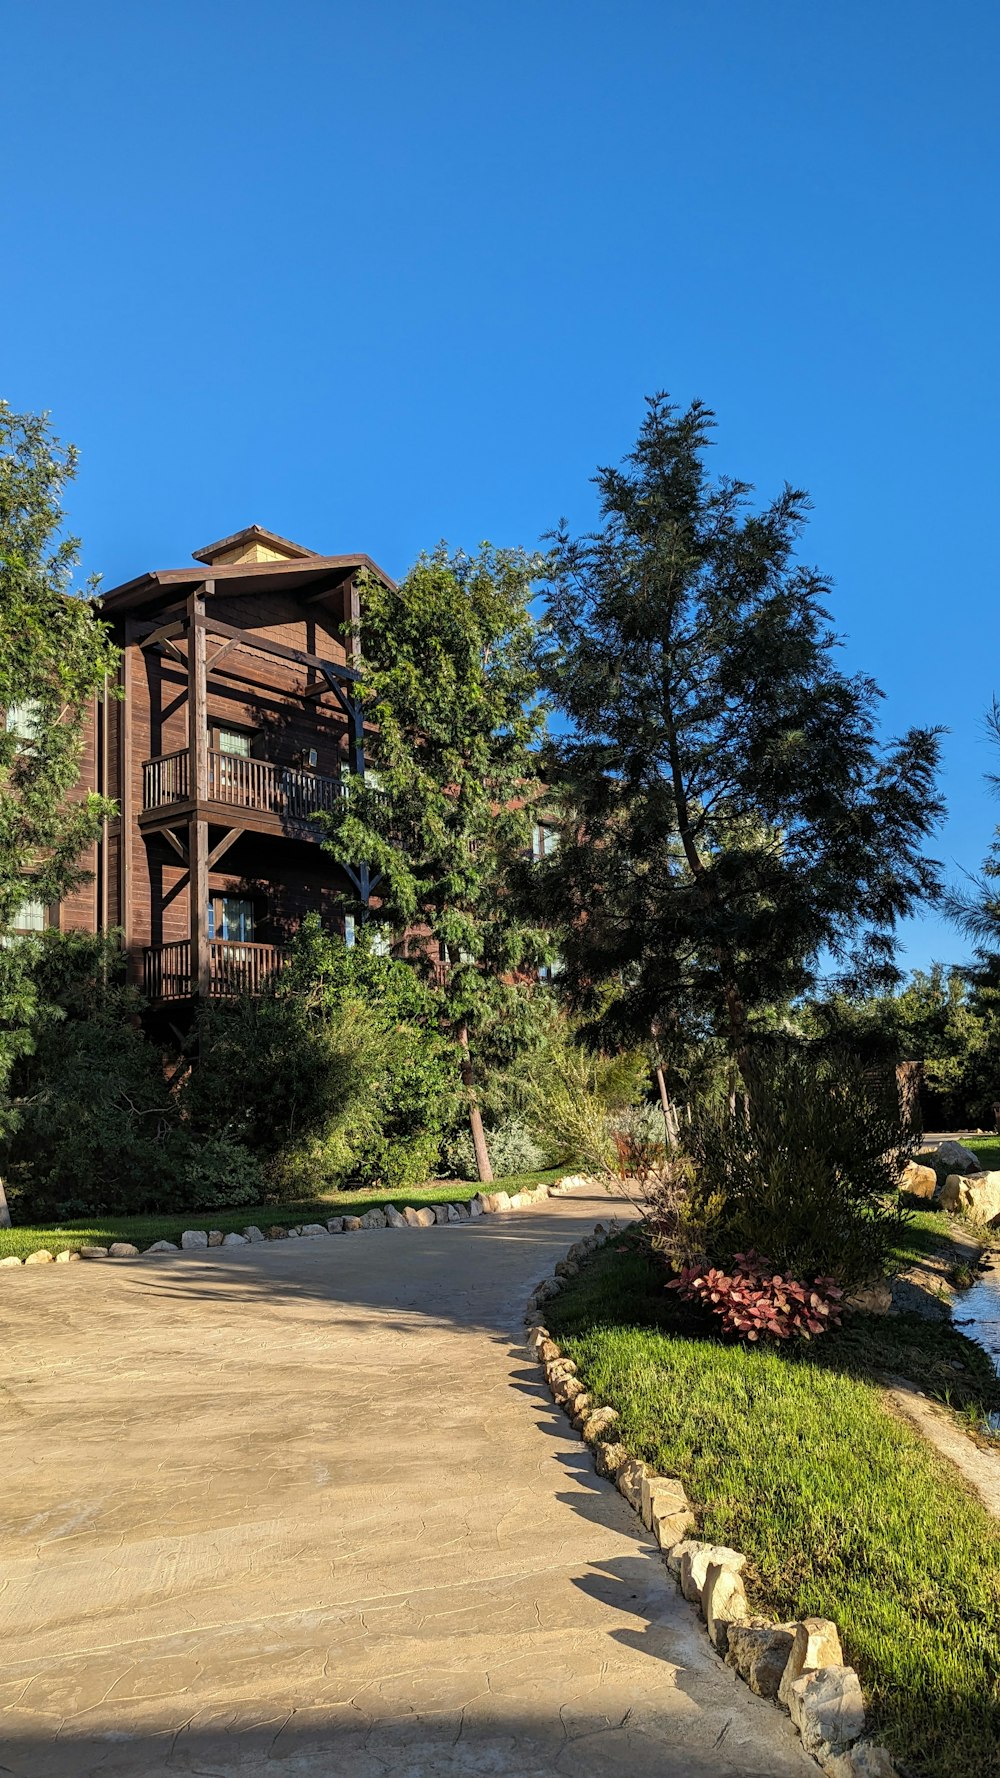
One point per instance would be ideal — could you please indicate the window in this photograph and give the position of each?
(25, 720)
(380, 941)
(30, 916)
(231, 917)
(350, 932)
(544, 840)
(234, 740)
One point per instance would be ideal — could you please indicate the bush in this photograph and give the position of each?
(806, 1168)
(513, 1150)
(755, 1302)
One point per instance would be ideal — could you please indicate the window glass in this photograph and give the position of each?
(30, 916)
(231, 917)
(25, 720)
(544, 840)
(232, 740)
(380, 940)
(349, 930)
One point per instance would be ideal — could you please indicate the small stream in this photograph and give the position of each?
(977, 1313)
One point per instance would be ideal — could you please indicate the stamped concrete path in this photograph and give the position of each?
(304, 1510)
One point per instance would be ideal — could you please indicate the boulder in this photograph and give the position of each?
(582, 1408)
(670, 1523)
(292, 1235)
(662, 1488)
(335, 1224)
(548, 1350)
(452, 1213)
(411, 1216)
(253, 1234)
(976, 1195)
(426, 1217)
(502, 1201)
(918, 1180)
(351, 1224)
(608, 1460)
(570, 1393)
(194, 1238)
(723, 1602)
(234, 1240)
(871, 1299)
(122, 1250)
(864, 1760)
(694, 1566)
(440, 1212)
(676, 1553)
(816, 1643)
(629, 1481)
(393, 1220)
(12, 1259)
(215, 1237)
(954, 1157)
(40, 1257)
(163, 1247)
(464, 1212)
(566, 1268)
(828, 1709)
(759, 1651)
(93, 1252)
(66, 1256)
(599, 1426)
(479, 1205)
(278, 1233)
(314, 1228)
(372, 1219)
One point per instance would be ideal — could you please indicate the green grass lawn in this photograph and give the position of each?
(142, 1231)
(842, 1509)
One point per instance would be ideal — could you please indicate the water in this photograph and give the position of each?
(977, 1313)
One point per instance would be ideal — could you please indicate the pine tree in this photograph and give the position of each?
(732, 816)
(54, 656)
(450, 687)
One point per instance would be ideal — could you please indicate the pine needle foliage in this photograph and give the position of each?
(732, 815)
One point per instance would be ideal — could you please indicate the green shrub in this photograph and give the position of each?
(513, 1150)
(805, 1170)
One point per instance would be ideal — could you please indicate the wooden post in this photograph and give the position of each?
(201, 964)
(126, 715)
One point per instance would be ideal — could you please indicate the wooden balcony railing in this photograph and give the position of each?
(242, 783)
(234, 968)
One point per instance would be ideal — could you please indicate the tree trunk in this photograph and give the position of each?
(670, 1122)
(4, 1212)
(483, 1164)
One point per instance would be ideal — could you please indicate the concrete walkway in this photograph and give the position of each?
(305, 1510)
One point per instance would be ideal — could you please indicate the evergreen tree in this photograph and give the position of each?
(732, 816)
(54, 656)
(450, 686)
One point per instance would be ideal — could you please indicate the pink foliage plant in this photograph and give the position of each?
(755, 1302)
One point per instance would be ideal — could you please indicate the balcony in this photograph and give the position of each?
(233, 969)
(256, 784)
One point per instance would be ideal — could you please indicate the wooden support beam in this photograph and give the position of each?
(222, 649)
(260, 645)
(222, 846)
(165, 633)
(176, 842)
(201, 966)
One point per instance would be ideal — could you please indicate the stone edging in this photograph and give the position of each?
(800, 1665)
(196, 1240)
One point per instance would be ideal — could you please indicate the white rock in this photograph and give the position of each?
(828, 1709)
(194, 1238)
(723, 1602)
(410, 1217)
(440, 1212)
(694, 1566)
(335, 1225)
(476, 1206)
(452, 1212)
(314, 1228)
(66, 1256)
(660, 1487)
(12, 1259)
(816, 1644)
(863, 1760)
(976, 1195)
(759, 1651)
(425, 1217)
(393, 1218)
(40, 1257)
(254, 1234)
(373, 1219)
(163, 1247)
(293, 1235)
(954, 1157)
(234, 1240)
(215, 1237)
(351, 1224)
(93, 1252)
(122, 1250)
(629, 1480)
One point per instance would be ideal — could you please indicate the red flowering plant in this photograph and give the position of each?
(755, 1302)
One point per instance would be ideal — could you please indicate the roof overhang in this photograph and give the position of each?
(311, 577)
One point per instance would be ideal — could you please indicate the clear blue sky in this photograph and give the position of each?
(371, 275)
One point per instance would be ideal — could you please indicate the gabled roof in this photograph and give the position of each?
(306, 574)
(246, 539)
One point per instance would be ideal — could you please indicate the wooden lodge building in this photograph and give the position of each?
(238, 720)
